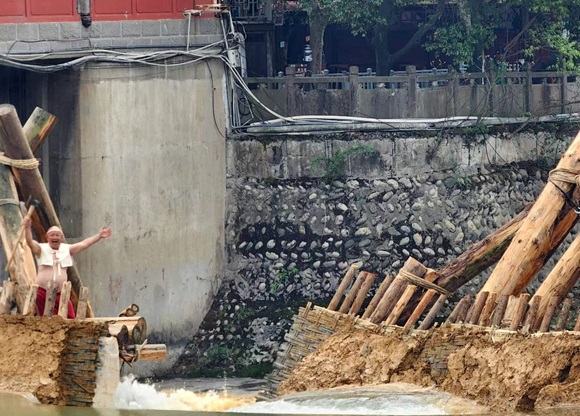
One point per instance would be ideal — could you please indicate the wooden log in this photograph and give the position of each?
(387, 303)
(6, 297)
(550, 311)
(477, 258)
(136, 325)
(534, 241)
(64, 299)
(351, 295)
(531, 316)
(478, 305)
(430, 318)
(30, 303)
(564, 313)
(15, 145)
(462, 304)
(499, 312)
(561, 279)
(510, 311)
(490, 304)
(462, 317)
(51, 292)
(346, 280)
(362, 294)
(130, 310)
(401, 304)
(83, 303)
(148, 352)
(423, 303)
(522, 307)
(122, 338)
(388, 280)
(38, 127)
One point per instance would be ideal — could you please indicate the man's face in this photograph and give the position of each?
(54, 238)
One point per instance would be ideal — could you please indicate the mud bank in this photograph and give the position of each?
(41, 355)
(503, 372)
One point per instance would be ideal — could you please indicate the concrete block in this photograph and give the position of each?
(49, 31)
(40, 47)
(93, 31)
(132, 28)
(173, 27)
(206, 27)
(101, 43)
(151, 28)
(110, 29)
(8, 32)
(27, 32)
(4, 46)
(120, 43)
(71, 30)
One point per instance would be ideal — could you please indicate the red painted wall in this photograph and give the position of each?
(24, 11)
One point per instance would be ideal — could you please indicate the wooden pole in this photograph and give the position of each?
(136, 325)
(490, 304)
(148, 352)
(15, 145)
(387, 303)
(500, 310)
(522, 307)
(7, 297)
(564, 313)
(362, 294)
(349, 298)
(550, 311)
(342, 287)
(378, 296)
(531, 316)
(510, 311)
(30, 303)
(561, 279)
(430, 318)
(477, 258)
(64, 299)
(534, 241)
(83, 302)
(577, 325)
(454, 315)
(423, 303)
(400, 305)
(51, 292)
(478, 305)
(38, 127)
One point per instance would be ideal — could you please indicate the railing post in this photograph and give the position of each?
(529, 88)
(412, 91)
(353, 90)
(564, 89)
(290, 91)
(453, 88)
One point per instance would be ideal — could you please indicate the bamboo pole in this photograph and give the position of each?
(362, 294)
(564, 313)
(532, 244)
(550, 311)
(342, 287)
(500, 310)
(378, 296)
(423, 303)
(349, 298)
(430, 318)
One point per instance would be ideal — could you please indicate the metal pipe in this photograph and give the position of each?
(84, 10)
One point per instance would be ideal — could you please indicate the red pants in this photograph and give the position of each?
(41, 300)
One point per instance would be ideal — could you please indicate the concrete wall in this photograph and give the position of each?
(141, 150)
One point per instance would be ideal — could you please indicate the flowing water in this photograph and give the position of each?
(207, 397)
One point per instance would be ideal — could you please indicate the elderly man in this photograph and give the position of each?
(54, 258)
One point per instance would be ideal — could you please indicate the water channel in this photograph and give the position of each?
(213, 397)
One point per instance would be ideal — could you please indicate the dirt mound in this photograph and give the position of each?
(505, 373)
